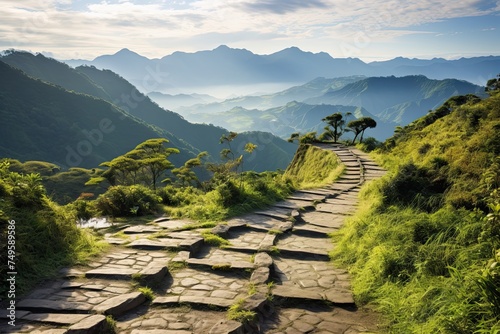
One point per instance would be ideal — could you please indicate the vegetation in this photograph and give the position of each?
(312, 167)
(335, 127)
(46, 236)
(424, 246)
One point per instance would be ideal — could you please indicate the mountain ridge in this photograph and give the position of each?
(241, 66)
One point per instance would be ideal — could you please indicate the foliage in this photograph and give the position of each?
(145, 164)
(423, 246)
(307, 138)
(134, 200)
(358, 126)
(335, 127)
(493, 85)
(236, 312)
(312, 167)
(147, 292)
(47, 236)
(214, 240)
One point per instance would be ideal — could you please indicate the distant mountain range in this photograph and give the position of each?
(50, 111)
(391, 101)
(227, 66)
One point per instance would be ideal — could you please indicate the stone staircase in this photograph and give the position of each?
(274, 276)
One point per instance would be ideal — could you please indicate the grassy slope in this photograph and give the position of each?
(46, 235)
(422, 248)
(313, 167)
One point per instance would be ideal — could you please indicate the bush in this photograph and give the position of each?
(133, 200)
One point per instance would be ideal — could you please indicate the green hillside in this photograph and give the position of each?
(48, 123)
(424, 245)
(400, 100)
(189, 138)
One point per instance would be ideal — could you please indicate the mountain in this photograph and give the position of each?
(173, 102)
(398, 99)
(299, 93)
(391, 101)
(224, 66)
(192, 138)
(284, 120)
(41, 121)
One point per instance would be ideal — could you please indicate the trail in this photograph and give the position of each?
(195, 284)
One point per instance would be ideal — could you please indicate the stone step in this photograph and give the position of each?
(213, 264)
(111, 273)
(137, 229)
(198, 301)
(95, 324)
(309, 230)
(308, 254)
(65, 319)
(293, 294)
(116, 306)
(53, 306)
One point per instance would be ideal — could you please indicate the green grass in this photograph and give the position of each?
(423, 246)
(313, 167)
(147, 292)
(214, 240)
(236, 312)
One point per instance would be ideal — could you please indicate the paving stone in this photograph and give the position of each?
(206, 301)
(56, 318)
(141, 229)
(154, 244)
(118, 305)
(153, 273)
(111, 273)
(91, 325)
(227, 327)
(51, 306)
(260, 275)
(290, 292)
(263, 260)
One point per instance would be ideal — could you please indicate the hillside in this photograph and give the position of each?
(398, 99)
(285, 120)
(48, 123)
(424, 245)
(391, 101)
(190, 138)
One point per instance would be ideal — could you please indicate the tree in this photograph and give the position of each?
(493, 85)
(151, 156)
(146, 163)
(185, 174)
(335, 127)
(358, 126)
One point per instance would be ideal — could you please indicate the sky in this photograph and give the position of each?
(366, 29)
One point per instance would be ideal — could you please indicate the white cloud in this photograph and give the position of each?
(107, 26)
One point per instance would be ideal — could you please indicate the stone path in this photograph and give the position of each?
(274, 276)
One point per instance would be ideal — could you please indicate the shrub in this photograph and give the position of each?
(128, 201)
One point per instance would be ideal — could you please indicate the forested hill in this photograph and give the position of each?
(116, 90)
(45, 122)
(425, 244)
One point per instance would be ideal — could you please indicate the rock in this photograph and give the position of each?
(260, 275)
(263, 259)
(52, 306)
(118, 305)
(56, 318)
(93, 324)
(111, 273)
(221, 230)
(227, 327)
(152, 274)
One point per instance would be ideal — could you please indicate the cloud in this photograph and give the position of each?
(93, 27)
(282, 7)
